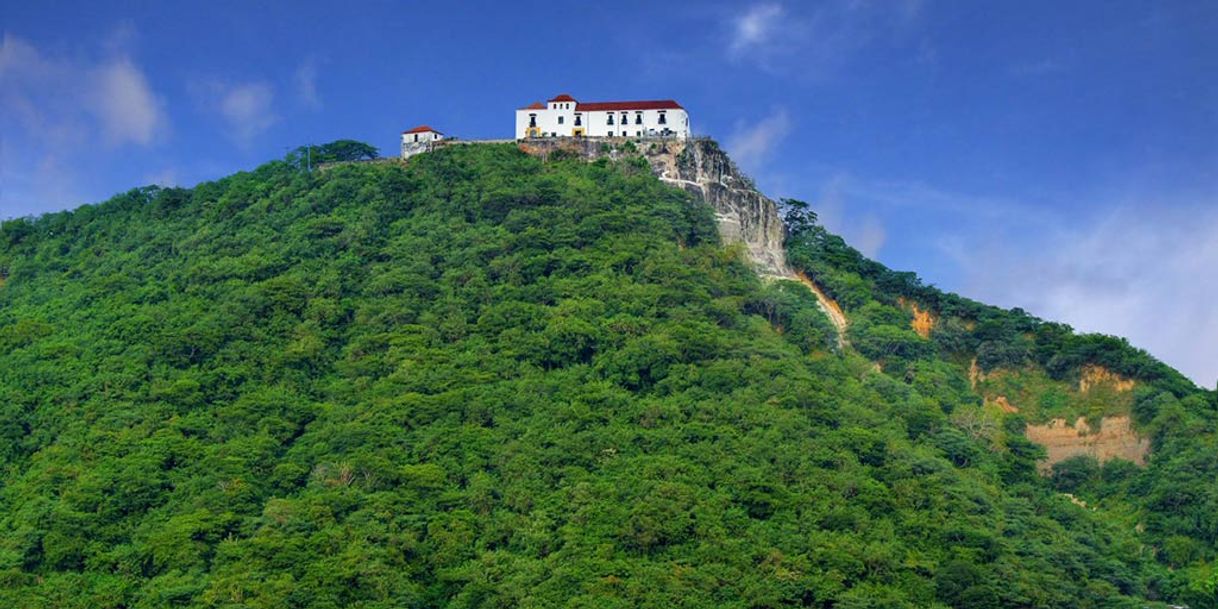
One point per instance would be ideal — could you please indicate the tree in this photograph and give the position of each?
(1076, 472)
(798, 216)
(481, 380)
(333, 152)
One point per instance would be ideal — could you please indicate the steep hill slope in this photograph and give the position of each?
(485, 380)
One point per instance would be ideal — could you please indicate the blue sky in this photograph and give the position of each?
(1061, 157)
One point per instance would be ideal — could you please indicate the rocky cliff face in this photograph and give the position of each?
(1115, 439)
(744, 214)
(702, 169)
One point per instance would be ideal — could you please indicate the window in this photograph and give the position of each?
(532, 120)
(578, 121)
(560, 120)
(663, 118)
(638, 133)
(625, 119)
(610, 123)
(638, 118)
(416, 137)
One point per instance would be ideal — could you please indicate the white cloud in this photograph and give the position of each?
(125, 104)
(56, 110)
(247, 109)
(752, 142)
(837, 205)
(1141, 269)
(814, 40)
(111, 96)
(305, 80)
(1142, 272)
(754, 27)
(869, 235)
(16, 54)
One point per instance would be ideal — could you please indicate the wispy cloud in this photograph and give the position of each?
(1140, 271)
(862, 209)
(305, 81)
(754, 28)
(835, 204)
(44, 91)
(751, 142)
(813, 40)
(247, 109)
(56, 110)
(128, 109)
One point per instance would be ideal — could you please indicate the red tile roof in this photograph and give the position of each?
(421, 129)
(563, 98)
(658, 104)
(535, 106)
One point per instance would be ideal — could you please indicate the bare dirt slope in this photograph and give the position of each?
(830, 307)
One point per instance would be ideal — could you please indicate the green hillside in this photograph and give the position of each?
(481, 380)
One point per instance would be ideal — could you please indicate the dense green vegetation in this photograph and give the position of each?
(998, 338)
(1174, 501)
(484, 381)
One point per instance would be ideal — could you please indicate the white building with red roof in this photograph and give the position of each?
(419, 139)
(564, 116)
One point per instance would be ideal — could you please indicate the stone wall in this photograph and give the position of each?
(410, 149)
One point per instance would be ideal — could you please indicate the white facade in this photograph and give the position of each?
(564, 116)
(418, 140)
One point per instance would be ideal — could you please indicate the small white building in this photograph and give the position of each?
(564, 116)
(419, 139)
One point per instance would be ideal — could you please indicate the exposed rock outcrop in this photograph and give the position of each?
(1093, 376)
(744, 214)
(830, 308)
(699, 167)
(704, 170)
(1003, 404)
(1115, 439)
(923, 320)
(975, 374)
(747, 217)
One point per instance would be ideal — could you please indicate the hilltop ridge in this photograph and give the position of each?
(700, 167)
(484, 378)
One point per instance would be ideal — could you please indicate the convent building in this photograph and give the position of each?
(564, 116)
